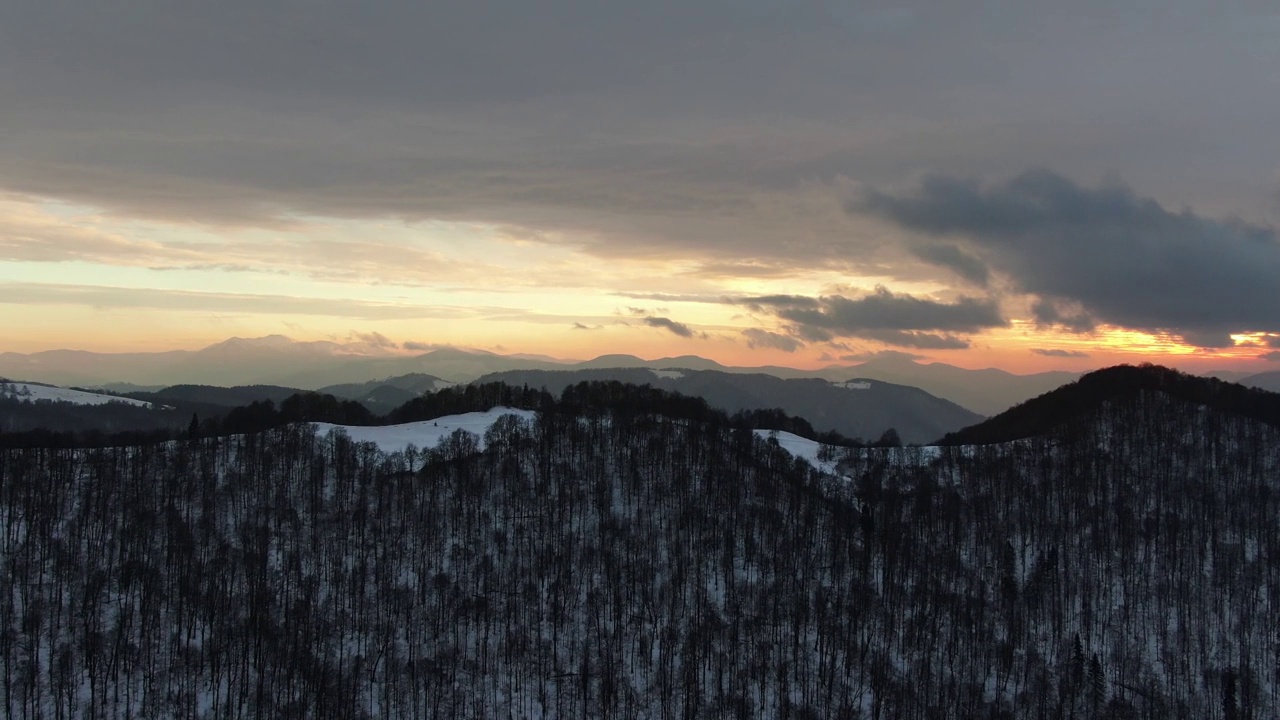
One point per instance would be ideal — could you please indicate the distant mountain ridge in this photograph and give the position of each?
(1266, 381)
(280, 361)
(864, 409)
(383, 396)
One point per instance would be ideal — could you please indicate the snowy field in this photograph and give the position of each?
(427, 433)
(801, 448)
(808, 450)
(667, 374)
(30, 392)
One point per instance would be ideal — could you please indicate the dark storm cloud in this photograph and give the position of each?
(1055, 352)
(709, 129)
(1047, 312)
(883, 316)
(757, 338)
(1123, 258)
(953, 258)
(883, 310)
(668, 324)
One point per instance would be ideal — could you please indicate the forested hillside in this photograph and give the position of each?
(608, 559)
(1042, 414)
(854, 406)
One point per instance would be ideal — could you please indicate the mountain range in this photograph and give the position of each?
(856, 407)
(278, 360)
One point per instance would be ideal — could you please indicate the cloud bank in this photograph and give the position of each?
(1122, 258)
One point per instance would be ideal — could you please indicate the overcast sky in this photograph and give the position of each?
(1031, 184)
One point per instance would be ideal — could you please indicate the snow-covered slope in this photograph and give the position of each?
(30, 392)
(427, 433)
(801, 448)
(809, 451)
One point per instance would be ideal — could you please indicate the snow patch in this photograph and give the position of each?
(424, 434)
(667, 374)
(800, 447)
(29, 392)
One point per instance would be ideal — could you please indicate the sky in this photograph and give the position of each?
(1027, 185)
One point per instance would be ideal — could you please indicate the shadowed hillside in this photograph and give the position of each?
(1041, 415)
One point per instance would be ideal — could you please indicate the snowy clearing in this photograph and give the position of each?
(426, 433)
(667, 374)
(808, 450)
(29, 392)
(801, 448)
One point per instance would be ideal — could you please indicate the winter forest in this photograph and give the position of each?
(609, 558)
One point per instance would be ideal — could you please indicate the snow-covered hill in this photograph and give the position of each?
(31, 392)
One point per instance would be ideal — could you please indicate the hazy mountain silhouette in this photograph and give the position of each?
(986, 391)
(383, 396)
(1266, 380)
(863, 408)
(277, 360)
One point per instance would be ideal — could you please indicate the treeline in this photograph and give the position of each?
(48, 424)
(65, 424)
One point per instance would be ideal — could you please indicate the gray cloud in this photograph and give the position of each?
(719, 131)
(251, 304)
(1055, 352)
(1273, 355)
(771, 303)
(674, 297)
(916, 339)
(667, 323)
(757, 338)
(421, 346)
(953, 258)
(1049, 313)
(375, 339)
(1123, 258)
(883, 310)
(892, 355)
(894, 319)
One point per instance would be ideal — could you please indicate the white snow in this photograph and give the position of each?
(808, 450)
(29, 392)
(667, 374)
(427, 433)
(801, 448)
